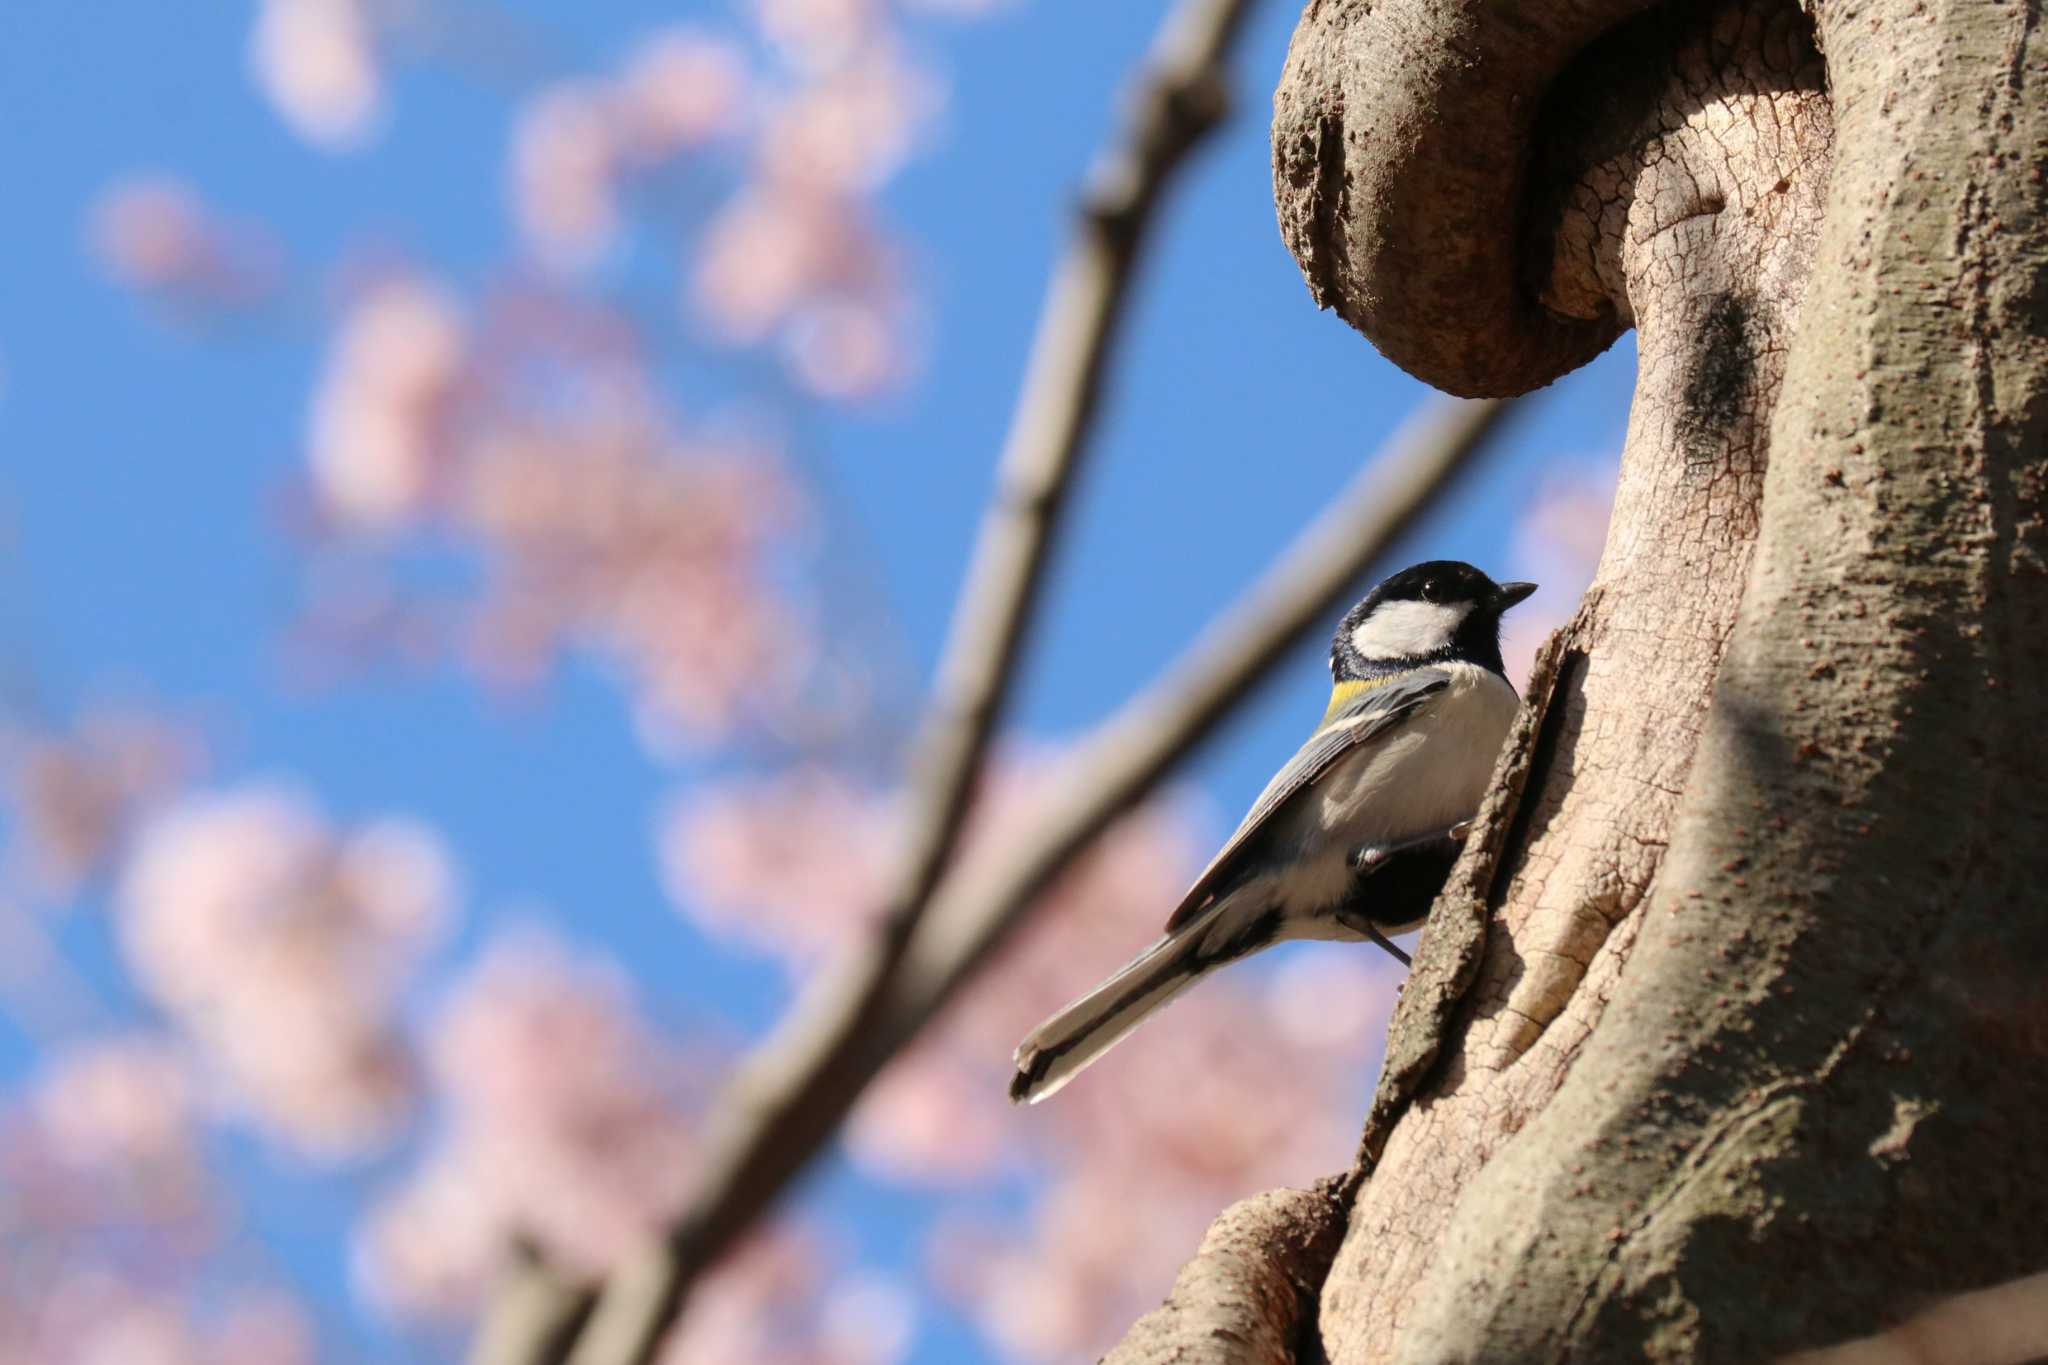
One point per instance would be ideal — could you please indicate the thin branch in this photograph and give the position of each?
(1181, 100)
(534, 1313)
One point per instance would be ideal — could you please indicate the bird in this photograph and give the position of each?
(1354, 836)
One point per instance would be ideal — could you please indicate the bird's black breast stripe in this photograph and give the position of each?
(1400, 891)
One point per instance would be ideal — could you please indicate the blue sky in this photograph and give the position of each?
(144, 464)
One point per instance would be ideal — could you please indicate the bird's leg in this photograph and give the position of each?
(1369, 858)
(1377, 937)
(1364, 927)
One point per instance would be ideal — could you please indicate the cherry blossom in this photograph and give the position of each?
(281, 946)
(570, 1119)
(579, 145)
(791, 864)
(97, 1318)
(156, 234)
(851, 126)
(75, 795)
(379, 433)
(819, 33)
(565, 1118)
(316, 62)
(595, 523)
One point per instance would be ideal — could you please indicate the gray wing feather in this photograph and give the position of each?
(1361, 722)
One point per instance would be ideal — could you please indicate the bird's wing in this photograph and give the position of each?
(1359, 721)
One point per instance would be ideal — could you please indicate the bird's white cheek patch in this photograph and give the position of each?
(1402, 628)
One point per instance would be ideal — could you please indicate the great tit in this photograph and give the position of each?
(1353, 838)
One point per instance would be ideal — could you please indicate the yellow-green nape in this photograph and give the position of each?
(1348, 691)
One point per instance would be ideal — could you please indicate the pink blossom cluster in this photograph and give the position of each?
(73, 796)
(157, 235)
(817, 114)
(108, 1214)
(579, 145)
(280, 946)
(531, 442)
(381, 426)
(95, 1318)
(1253, 1080)
(107, 1137)
(775, 1301)
(569, 1119)
(657, 553)
(790, 864)
(319, 65)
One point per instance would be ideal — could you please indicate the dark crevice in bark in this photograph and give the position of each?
(1722, 383)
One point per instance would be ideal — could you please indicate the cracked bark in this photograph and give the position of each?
(1689, 197)
(1248, 1297)
(1726, 1039)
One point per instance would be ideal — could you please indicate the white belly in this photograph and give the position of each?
(1428, 776)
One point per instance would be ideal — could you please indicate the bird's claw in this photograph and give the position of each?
(1367, 857)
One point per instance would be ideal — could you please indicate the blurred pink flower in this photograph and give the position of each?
(120, 1104)
(281, 946)
(654, 553)
(316, 62)
(565, 161)
(958, 8)
(770, 251)
(791, 864)
(847, 348)
(851, 126)
(104, 1149)
(569, 1119)
(532, 442)
(680, 89)
(577, 143)
(156, 235)
(263, 1329)
(74, 797)
(818, 33)
(565, 1118)
(1557, 544)
(93, 1317)
(379, 434)
(772, 1303)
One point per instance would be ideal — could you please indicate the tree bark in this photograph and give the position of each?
(1726, 1039)
(1690, 203)
(1249, 1295)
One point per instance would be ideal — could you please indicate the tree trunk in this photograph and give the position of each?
(1727, 1038)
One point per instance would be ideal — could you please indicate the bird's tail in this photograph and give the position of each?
(1063, 1045)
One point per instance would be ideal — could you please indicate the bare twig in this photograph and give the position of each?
(534, 1313)
(1181, 100)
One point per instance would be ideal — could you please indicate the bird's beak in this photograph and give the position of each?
(1508, 594)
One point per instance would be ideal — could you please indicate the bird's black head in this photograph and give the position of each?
(1435, 612)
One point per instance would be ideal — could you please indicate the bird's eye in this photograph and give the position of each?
(1431, 590)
